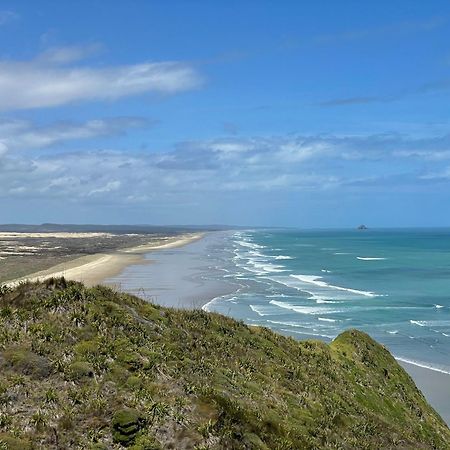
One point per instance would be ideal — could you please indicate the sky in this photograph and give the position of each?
(260, 113)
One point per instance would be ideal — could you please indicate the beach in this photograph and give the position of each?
(179, 276)
(94, 269)
(36, 249)
(192, 271)
(199, 275)
(434, 385)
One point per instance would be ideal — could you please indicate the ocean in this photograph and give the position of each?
(392, 284)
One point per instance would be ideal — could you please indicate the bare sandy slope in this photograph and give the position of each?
(93, 269)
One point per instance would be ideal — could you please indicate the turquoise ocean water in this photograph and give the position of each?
(395, 285)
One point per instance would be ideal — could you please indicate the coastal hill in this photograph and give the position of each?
(95, 369)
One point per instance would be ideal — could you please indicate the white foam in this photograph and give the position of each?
(262, 310)
(326, 271)
(289, 324)
(257, 254)
(316, 280)
(431, 323)
(324, 319)
(207, 307)
(263, 268)
(313, 310)
(392, 332)
(438, 306)
(283, 257)
(341, 253)
(423, 365)
(319, 300)
(420, 323)
(370, 258)
(251, 245)
(280, 296)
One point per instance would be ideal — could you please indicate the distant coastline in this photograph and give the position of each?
(94, 269)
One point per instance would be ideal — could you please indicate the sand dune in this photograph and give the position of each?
(93, 269)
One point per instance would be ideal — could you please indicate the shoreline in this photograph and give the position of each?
(434, 385)
(95, 269)
(177, 278)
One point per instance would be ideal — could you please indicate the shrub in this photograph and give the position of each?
(126, 424)
(79, 370)
(26, 362)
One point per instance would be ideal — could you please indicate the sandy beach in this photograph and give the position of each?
(191, 276)
(177, 277)
(434, 385)
(93, 269)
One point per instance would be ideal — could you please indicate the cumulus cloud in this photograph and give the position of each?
(51, 80)
(110, 186)
(283, 164)
(22, 134)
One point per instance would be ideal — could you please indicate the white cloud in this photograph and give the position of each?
(22, 134)
(3, 149)
(64, 55)
(49, 81)
(110, 186)
(440, 175)
(198, 170)
(426, 155)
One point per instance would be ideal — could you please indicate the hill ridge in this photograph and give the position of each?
(98, 369)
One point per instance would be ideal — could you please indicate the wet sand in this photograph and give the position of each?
(180, 278)
(94, 269)
(434, 385)
(177, 277)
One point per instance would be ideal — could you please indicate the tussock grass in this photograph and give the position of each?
(96, 369)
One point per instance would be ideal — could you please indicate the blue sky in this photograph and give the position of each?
(309, 114)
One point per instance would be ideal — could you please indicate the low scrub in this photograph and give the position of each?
(96, 369)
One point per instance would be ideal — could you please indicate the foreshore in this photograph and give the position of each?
(94, 269)
(434, 385)
(178, 278)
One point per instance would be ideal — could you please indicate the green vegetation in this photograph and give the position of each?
(95, 369)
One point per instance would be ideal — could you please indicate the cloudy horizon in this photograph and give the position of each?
(190, 115)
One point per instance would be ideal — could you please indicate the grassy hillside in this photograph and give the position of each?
(94, 369)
